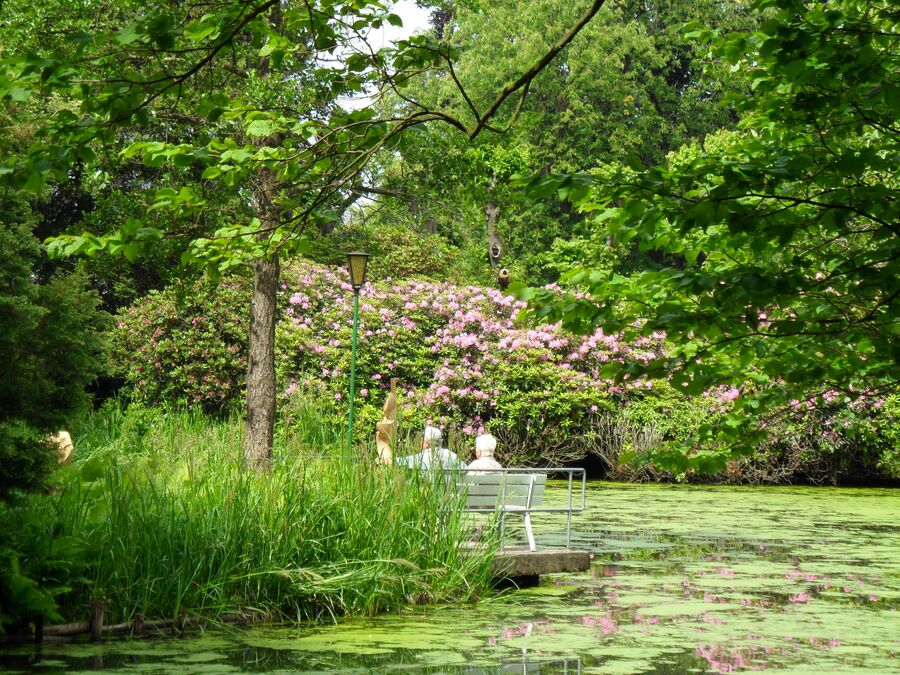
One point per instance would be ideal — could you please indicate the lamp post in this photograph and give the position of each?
(356, 264)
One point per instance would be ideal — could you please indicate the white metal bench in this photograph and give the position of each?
(507, 493)
(517, 491)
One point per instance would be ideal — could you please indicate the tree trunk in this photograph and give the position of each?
(260, 431)
(259, 434)
(495, 244)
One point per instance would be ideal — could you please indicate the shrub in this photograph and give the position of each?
(51, 349)
(397, 251)
(465, 365)
(889, 422)
(462, 362)
(186, 344)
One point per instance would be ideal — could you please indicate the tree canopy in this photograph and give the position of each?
(257, 119)
(780, 240)
(628, 86)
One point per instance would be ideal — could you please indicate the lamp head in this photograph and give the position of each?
(356, 264)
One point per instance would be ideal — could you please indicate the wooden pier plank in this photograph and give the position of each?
(511, 562)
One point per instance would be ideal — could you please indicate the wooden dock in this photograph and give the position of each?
(517, 562)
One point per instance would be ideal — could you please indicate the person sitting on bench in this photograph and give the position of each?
(484, 461)
(433, 456)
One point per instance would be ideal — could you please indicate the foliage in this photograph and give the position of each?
(890, 459)
(464, 364)
(51, 350)
(266, 93)
(163, 521)
(629, 86)
(780, 240)
(107, 191)
(26, 553)
(185, 345)
(396, 251)
(461, 361)
(247, 82)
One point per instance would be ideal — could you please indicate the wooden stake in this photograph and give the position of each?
(97, 609)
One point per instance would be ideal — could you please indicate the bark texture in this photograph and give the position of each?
(260, 431)
(259, 434)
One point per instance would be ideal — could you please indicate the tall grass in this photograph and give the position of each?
(165, 521)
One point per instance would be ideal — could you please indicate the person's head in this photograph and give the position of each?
(431, 438)
(485, 445)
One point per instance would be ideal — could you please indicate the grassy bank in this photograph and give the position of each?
(157, 517)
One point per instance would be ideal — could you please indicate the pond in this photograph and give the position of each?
(685, 579)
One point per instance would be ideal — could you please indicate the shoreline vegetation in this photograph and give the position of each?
(466, 363)
(157, 521)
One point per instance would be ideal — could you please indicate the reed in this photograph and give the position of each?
(167, 523)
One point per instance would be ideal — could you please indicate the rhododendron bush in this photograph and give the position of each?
(185, 345)
(465, 365)
(462, 363)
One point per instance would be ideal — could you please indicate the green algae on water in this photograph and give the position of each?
(685, 578)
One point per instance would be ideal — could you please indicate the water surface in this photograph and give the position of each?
(685, 579)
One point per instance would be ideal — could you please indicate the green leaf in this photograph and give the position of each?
(129, 34)
(261, 127)
(19, 94)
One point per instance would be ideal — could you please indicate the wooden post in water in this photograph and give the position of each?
(97, 609)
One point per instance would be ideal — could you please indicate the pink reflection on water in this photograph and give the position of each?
(605, 623)
(724, 660)
(524, 629)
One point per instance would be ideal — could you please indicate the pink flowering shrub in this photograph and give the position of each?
(461, 360)
(185, 345)
(829, 437)
(465, 365)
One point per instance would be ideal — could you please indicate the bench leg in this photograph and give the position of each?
(531, 544)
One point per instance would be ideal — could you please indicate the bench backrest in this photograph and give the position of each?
(486, 492)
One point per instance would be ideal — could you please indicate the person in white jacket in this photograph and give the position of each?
(485, 445)
(433, 456)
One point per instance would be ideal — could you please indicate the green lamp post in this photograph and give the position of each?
(356, 263)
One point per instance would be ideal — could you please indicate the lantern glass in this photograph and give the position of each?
(357, 266)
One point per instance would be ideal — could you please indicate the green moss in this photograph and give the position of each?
(775, 578)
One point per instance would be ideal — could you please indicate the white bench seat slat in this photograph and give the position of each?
(503, 479)
(478, 489)
(506, 492)
(537, 497)
(485, 501)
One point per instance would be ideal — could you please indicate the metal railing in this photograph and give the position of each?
(572, 506)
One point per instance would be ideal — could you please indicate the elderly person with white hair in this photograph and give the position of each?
(485, 445)
(432, 455)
